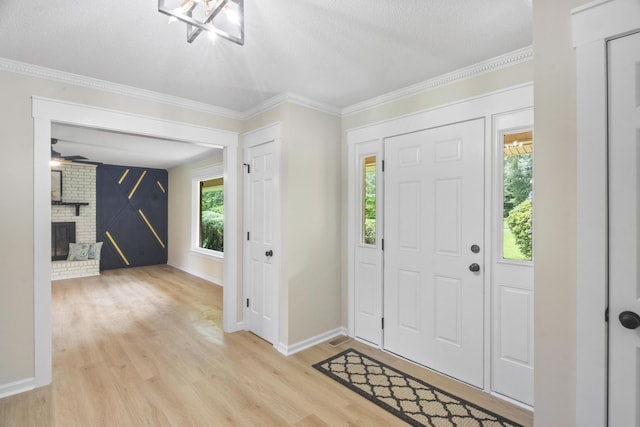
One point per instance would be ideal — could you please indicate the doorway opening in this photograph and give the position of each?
(48, 111)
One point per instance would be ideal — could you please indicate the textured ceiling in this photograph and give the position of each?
(335, 52)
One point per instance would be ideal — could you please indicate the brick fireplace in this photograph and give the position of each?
(78, 186)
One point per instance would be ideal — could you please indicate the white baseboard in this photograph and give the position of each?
(16, 387)
(288, 350)
(214, 280)
(238, 326)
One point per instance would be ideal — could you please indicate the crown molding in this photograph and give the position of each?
(292, 98)
(493, 64)
(106, 86)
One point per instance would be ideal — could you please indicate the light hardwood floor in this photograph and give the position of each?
(145, 347)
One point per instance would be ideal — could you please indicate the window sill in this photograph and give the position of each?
(207, 253)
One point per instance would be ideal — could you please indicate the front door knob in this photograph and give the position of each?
(474, 267)
(629, 319)
(269, 253)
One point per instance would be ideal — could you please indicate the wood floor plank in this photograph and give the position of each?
(145, 347)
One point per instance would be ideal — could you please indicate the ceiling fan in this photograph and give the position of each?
(57, 156)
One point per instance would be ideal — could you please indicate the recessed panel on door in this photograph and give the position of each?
(447, 310)
(448, 216)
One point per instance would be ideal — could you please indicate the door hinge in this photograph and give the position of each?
(247, 235)
(382, 323)
(606, 314)
(382, 241)
(247, 302)
(383, 166)
(248, 167)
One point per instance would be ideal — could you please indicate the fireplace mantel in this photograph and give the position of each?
(76, 204)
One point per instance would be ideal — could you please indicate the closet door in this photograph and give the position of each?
(624, 231)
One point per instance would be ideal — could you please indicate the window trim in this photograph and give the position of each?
(197, 176)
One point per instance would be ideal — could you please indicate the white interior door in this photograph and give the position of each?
(368, 245)
(624, 220)
(434, 214)
(260, 193)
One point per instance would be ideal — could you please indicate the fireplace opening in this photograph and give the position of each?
(62, 233)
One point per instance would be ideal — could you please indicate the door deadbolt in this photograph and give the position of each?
(475, 249)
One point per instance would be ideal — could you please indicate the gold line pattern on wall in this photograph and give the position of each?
(124, 175)
(115, 245)
(135, 187)
(151, 227)
(161, 187)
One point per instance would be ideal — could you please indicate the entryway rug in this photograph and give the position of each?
(408, 398)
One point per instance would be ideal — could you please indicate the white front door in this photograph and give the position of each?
(260, 173)
(624, 229)
(434, 280)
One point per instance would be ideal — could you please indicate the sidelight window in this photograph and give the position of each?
(369, 200)
(517, 191)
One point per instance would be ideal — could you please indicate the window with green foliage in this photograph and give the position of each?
(212, 214)
(517, 243)
(369, 198)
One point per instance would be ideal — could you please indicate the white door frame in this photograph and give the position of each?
(593, 25)
(47, 111)
(487, 105)
(269, 133)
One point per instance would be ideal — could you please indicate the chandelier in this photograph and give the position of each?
(224, 18)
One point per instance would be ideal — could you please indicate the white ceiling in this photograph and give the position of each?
(124, 149)
(331, 51)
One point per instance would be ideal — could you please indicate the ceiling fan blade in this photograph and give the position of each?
(74, 157)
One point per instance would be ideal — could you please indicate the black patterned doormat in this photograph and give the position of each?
(406, 397)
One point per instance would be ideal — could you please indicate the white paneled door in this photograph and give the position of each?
(433, 274)
(261, 172)
(624, 220)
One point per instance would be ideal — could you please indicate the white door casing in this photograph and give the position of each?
(624, 230)
(47, 111)
(262, 233)
(512, 286)
(434, 213)
(368, 257)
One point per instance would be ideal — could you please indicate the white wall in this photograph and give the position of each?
(555, 213)
(180, 205)
(310, 289)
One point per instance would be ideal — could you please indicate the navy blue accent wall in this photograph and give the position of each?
(121, 209)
